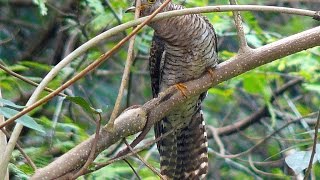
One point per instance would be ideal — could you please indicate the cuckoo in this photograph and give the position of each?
(183, 48)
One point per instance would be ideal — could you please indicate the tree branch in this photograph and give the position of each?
(316, 129)
(239, 26)
(3, 143)
(7, 70)
(255, 117)
(126, 72)
(133, 121)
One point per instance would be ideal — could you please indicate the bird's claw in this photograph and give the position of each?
(182, 88)
(211, 72)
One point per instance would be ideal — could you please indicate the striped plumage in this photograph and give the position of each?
(183, 48)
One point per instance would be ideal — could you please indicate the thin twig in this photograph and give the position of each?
(217, 139)
(114, 149)
(146, 145)
(264, 173)
(146, 157)
(9, 39)
(25, 155)
(262, 141)
(60, 12)
(275, 163)
(134, 171)
(5, 69)
(3, 145)
(55, 118)
(243, 168)
(126, 73)
(143, 161)
(111, 72)
(113, 12)
(92, 152)
(262, 112)
(239, 26)
(313, 148)
(295, 110)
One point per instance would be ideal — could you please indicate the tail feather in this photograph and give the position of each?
(183, 154)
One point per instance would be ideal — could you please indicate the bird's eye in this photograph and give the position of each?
(151, 1)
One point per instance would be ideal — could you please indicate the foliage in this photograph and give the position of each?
(35, 38)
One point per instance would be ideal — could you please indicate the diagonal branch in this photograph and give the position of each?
(7, 70)
(3, 144)
(239, 26)
(126, 73)
(133, 121)
(316, 129)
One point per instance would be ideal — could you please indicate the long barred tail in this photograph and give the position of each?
(184, 154)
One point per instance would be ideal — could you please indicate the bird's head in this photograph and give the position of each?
(147, 7)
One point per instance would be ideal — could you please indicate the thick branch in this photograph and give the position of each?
(133, 121)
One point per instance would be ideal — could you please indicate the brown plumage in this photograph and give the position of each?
(183, 48)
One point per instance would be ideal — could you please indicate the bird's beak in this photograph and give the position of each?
(131, 9)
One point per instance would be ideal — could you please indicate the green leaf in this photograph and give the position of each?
(254, 83)
(36, 66)
(17, 173)
(84, 104)
(272, 113)
(308, 132)
(227, 94)
(24, 120)
(96, 6)
(312, 87)
(42, 6)
(299, 161)
(11, 104)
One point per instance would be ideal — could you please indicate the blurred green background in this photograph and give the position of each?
(35, 37)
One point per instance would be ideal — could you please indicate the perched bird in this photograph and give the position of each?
(183, 48)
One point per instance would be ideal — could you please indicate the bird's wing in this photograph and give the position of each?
(156, 54)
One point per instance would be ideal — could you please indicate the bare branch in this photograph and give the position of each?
(264, 173)
(126, 73)
(239, 26)
(5, 69)
(231, 156)
(144, 162)
(316, 129)
(3, 143)
(217, 139)
(25, 155)
(134, 171)
(134, 120)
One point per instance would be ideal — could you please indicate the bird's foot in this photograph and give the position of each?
(211, 72)
(182, 88)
